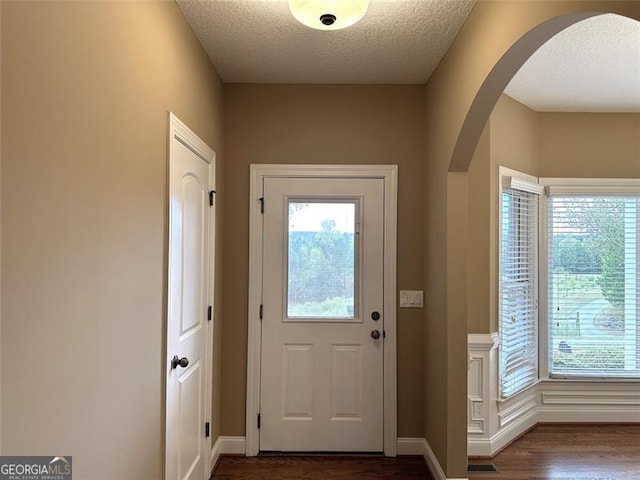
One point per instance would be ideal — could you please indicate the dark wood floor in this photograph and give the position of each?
(301, 467)
(569, 452)
(548, 452)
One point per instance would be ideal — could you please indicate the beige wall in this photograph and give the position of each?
(86, 88)
(510, 139)
(323, 125)
(479, 292)
(459, 98)
(589, 145)
(514, 137)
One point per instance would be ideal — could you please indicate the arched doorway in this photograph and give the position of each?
(496, 40)
(546, 125)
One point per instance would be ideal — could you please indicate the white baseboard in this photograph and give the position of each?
(432, 462)
(226, 445)
(433, 465)
(215, 453)
(410, 446)
(419, 446)
(515, 417)
(479, 447)
(516, 428)
(232, 445)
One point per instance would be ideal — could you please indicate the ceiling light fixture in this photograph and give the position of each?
(328, 14)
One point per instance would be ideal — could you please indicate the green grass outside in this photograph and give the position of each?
(596, 358)
(578, 290)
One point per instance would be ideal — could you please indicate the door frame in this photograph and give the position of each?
(389, 174)
(179, 131)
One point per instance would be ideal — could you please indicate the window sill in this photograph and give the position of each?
(514, 398)
(585, 379)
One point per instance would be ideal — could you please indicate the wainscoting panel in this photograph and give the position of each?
(482, 414)
(493, 423)
(477, 397)
(566, 401)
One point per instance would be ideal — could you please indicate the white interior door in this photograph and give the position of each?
(189, 297)
(322, 367)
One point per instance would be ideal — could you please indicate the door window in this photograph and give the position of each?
(322, 253)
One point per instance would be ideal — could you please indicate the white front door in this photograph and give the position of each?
(323, 315)
(189, 300)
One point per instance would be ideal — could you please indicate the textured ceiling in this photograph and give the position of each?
(592, 66)
(258, 41)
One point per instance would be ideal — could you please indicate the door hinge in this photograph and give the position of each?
(209, 312)
(261, 311)
(258, 420)
(206, 430)
(211, 194)
(261, 200)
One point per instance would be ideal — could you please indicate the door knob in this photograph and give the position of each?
(375, 334)
(182, 362)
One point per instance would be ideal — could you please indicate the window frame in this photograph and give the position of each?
(509, 178)
(553, 186)
(571, 186)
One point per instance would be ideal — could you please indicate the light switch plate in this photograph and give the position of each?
(411, 298)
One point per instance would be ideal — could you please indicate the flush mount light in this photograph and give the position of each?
(328, 14)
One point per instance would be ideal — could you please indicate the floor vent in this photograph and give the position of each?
(481, 468)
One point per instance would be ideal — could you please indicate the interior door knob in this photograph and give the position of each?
(375, 334)
(182, 362)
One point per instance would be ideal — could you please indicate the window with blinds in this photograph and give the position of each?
(518, 302)
(593, 285)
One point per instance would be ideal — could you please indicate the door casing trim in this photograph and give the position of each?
(389, 174)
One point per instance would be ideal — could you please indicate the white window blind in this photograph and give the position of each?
(594, 285)
(518, 291)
